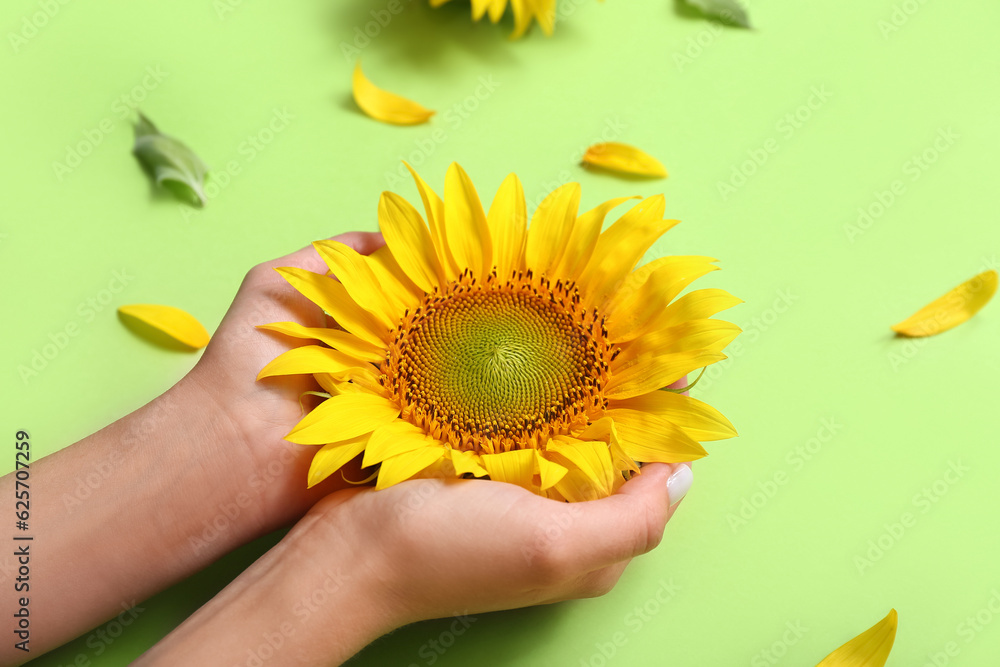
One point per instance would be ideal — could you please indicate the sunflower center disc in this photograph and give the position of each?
(487, 367)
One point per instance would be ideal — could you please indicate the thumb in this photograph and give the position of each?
(630, 522)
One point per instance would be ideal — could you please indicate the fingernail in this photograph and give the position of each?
(679, 483)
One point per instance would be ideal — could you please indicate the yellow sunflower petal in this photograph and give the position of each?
(549, 472)
(174, 322)
(550, 229)
(402, 292)
(410, 242)
(392, 439)
(620, 157)
(640, 304)
(331, 458)
(312, 359)
(583, 239)
(604, 430)
(545, 14)
(332, 297)
(712, 335)
(334, 386)
(508, 223)
(522, 18)
(434, 209)
(652, 439)
(698, 419)
(466, 462)
(515, 467)
(622, 462)
(479, 8)
(346, 342)
(356, 275)
(591, 458)
(952, 309)
(697, 305)
(621, 247)
(496, 9)
(385, 106)
(869, 649)
(652, 373)
(465, 223)
(340, 418)
(405, 466)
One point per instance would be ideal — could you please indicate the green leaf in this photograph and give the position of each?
(170, 162)
(729, 11)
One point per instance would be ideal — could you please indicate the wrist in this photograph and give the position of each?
(309, 600)
(343, 563)
(189, 450)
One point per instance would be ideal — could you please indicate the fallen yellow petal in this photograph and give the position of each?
(385, 106)
(952, 309)
(174, 322)
(869, 649)
(624, 158)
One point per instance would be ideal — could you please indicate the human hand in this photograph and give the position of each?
(363, 562)
(261, 464)
(182, 480)
(439, 547)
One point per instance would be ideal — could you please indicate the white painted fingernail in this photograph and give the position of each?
(679, 483)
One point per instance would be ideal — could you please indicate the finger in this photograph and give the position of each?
(679, 384)
(678, 484)
(266, 297)
(622, 526)
(307, 258)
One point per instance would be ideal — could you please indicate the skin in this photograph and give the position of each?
(204, 468)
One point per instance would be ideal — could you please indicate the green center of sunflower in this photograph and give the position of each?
(495, 367)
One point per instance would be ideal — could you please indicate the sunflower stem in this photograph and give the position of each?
(681, 390)
(321, 394)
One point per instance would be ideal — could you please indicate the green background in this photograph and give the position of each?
(820, 289)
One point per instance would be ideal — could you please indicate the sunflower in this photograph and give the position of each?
(478, 346)
(544, 11)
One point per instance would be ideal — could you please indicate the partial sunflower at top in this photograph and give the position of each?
(473, 345)
(543, 11)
